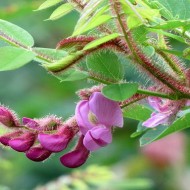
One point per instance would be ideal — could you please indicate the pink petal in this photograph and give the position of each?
(54, 142)
(97, 137)
(81, 113)
(156, 119)
(77, 157)
(4, 139)
(108, 112)
(157, 104)
(23, 142)
(37, 154)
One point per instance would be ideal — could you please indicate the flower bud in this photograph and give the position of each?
(23, 142)
(37, 154)
(56, 142)
(4, 139)
(77, 157)
(31, 123)
(8, 118)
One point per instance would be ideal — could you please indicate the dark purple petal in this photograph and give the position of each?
(97, 137)
(37, 154)
(157, 119)
(4, 139)
(77, 157)
(108, 112)
(81, 113)
(23, 142)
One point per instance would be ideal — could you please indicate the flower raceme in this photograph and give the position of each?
(95, 118)
(39, 138)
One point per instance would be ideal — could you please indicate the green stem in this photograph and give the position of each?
(158, 94)
(100, 80)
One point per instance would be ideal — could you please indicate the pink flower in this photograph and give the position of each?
(167, 151)
(95, 118)
(165, 111)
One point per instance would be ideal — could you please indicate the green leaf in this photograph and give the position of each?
(105, 65)
(171, 24)
(179, 38)
(100, 41)
(140, 130)
(137, 111)
(48, 3)
(149, 51)
(52, 54)
(178, 9)
(133, 21)
(162, 131)
(61, 11)
(13, 34)
(13, 58)
(72, 75)
(92, 24)
(178, 53)
(90, 12)
(120, 92)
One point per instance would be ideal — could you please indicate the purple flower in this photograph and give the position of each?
(165, 111)
(95, 118)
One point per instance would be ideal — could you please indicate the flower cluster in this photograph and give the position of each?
(39, 138)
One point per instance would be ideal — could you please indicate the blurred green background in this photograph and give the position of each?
(32, 92)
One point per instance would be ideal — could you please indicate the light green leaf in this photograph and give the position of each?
(61, 11)
(120, 92)
(149, 51)
(72, 75)
(137, 111)
(48, 3)
(13, 58)
(162, 131)
(171, 24)
(100, 41)
(178, 53)
(92, 24)
(13, 34)
(105, 65)
(52, 54)
(178, 8)
(133, 21)
(179, 38)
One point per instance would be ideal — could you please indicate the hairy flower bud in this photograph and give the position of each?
(37, 154)
(7, 117)
(23, 142)
(77, 157)
(48, 123)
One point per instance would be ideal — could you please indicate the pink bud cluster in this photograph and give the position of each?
(39, 138)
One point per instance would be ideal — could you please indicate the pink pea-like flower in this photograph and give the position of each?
(95, 118)
(165, 111)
